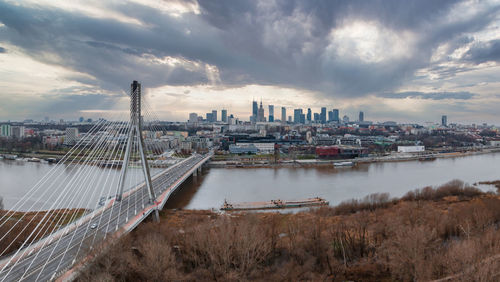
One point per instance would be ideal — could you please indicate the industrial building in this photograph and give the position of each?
(340, 152)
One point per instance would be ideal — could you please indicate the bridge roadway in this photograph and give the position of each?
(116, 217)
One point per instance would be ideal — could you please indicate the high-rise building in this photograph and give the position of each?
(302, 118)
(283, 114)
(209, 117)
(336, 116)
(81, 119)
(18, 132)
(317, 117)
(296, 115)
(255, 109)
(271, 113)
(214, 115)
(330, 116)
(444, 120)
(71, 136)
(323, 115)
(309, 114)
(260, 114)
(5, 130)
(290, 119)
(224, 115)
(193, 117)
(361, 116)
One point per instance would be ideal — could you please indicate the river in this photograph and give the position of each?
(18, 177)
(333, 184)
(261, 184)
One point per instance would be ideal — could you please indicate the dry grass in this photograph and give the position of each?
(20, 225)
(450, 231)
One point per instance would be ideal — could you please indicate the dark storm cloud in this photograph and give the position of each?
(112, 52)
(243, 25)
(3, 50)
(271, 43)
(484, 52)
(71, 103)
(62, 102)
(429, 95)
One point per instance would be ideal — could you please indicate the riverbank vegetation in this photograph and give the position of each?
(446, 232)
(16, 227)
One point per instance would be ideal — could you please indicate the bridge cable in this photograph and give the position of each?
(80, 171)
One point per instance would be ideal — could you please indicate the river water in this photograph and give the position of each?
(85, 184)
(333, 184)
(261, 184)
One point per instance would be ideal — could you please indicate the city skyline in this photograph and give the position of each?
(158, 140)
(60, 58)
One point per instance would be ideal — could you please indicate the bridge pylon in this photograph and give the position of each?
(136, 131)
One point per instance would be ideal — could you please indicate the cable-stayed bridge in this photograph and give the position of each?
(111, 187)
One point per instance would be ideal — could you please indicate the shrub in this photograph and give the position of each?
(370, 203)
(452, 188)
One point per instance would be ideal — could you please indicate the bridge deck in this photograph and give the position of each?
(56, 257)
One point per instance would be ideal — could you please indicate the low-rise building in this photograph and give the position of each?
(410, 149)
(244, 148)
(494, 142)
(267, 147)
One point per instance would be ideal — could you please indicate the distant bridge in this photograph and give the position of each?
(59, 250)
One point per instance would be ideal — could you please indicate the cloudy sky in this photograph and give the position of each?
(395, 60)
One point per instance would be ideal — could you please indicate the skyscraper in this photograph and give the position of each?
(296, 115)
(444, 120)
(224, 115)
(255, 109)
(336, 116)
(317, 117)
(193, 117)
(309, 114)
(214, 115)
(283, 114)
(302, 118)
(361, 116)
(260, 115)
(330, 116)
(271, 113)
(323, 115)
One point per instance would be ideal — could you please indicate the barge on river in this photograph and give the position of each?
(274, 204)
